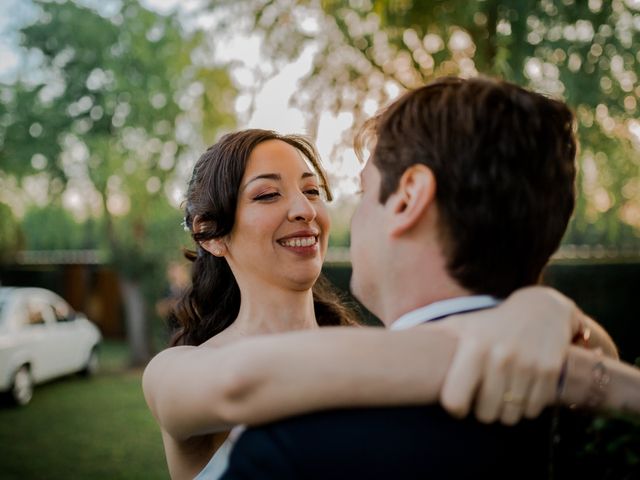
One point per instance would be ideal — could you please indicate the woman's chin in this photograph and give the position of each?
(303, 280)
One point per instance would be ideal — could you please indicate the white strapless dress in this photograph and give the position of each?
(219, 461)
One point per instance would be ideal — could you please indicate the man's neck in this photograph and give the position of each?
(413, 284)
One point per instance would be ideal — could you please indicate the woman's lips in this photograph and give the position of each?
(306, 245)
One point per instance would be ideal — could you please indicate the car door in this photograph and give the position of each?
(70, 336)
(58, 348)
(33, 337)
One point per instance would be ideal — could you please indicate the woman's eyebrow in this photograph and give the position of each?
(268, 176)
(275, 176)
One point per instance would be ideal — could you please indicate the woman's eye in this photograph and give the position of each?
(267, 196)
(313, 191)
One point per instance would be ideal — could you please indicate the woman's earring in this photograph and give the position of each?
(217, 253)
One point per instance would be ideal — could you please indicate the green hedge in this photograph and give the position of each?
(607, 292)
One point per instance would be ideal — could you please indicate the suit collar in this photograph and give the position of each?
(444, 308)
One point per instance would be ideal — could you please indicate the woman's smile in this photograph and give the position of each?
(303, 243)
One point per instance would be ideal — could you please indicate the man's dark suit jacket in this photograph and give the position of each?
(392, 443)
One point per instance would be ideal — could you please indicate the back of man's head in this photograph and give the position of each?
(504, 162)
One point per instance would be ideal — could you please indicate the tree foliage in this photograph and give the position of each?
(11, 235)
(368, 51)
(53, 228)
(108, 116)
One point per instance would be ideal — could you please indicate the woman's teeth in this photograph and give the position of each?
(299, 242)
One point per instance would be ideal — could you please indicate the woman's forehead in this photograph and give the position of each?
(276, 156)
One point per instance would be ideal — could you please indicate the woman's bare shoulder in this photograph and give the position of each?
(224, 338)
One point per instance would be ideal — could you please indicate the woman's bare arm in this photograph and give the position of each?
(401, 368)
(336, 367)
(185, 387)
(597, 382)
(198, 390)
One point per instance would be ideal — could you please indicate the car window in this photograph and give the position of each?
(34, 315)
(38, 312)
(63, 312)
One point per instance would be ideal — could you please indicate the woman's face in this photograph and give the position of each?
(281, 229)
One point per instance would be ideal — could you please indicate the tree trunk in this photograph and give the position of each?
(135, 322)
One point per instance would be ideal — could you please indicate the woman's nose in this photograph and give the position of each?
(301, 209)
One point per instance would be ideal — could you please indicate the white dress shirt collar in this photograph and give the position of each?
(444, 308)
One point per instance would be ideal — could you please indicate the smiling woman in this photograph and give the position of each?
(256, 210)
(281, 228)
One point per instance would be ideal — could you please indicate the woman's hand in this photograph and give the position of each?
(509, 358)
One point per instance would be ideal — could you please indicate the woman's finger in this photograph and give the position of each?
(490, 397)
(461, 382)
(515, 398)
(543, 392)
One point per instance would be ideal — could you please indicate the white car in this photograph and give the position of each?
(41, 338)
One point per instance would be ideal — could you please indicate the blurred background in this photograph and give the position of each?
(106, 105)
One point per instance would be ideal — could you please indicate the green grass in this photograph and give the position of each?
(98, 428)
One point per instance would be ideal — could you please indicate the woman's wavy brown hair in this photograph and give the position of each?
(212, 302)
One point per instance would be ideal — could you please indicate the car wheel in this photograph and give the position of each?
(22, 387)
(92, 365)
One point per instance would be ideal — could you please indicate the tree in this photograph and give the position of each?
(53, 228)
(115, 108)
(367, 51)
(11, 236)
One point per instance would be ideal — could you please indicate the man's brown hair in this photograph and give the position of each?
(504, 162)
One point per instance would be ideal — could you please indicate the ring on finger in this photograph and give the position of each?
(511, 398)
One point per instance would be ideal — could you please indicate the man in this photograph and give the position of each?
(466, 195)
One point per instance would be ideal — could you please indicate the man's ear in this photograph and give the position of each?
(215, 246)
(416, 193)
